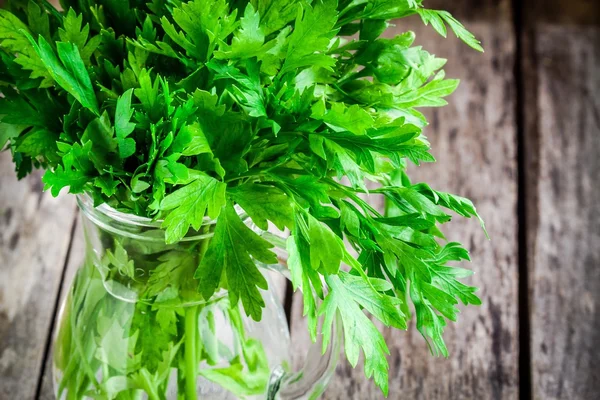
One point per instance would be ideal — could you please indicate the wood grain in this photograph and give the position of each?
(35, 231)
(75, 259)
(474, 141)
(563, 213)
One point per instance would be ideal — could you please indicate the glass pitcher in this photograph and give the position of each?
(134, 325)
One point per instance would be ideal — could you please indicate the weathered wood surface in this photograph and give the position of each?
(474, 140)
(73, 262)
(564, 181)
(35, 232)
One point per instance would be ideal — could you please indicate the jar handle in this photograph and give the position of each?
(310, 382)
(320, 363)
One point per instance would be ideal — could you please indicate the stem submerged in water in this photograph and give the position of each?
(191, 352)
(192, 344)
(149, 386)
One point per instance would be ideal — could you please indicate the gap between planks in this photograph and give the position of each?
(57, 303)
(522, 49)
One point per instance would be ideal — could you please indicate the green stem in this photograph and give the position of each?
(149, 386)
(191, 352)
(72, 390)
(191, 342)
(78, 334)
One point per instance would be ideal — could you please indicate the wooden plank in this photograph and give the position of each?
(35, 232)
(474, 140)
(75, 259)
(563, 143)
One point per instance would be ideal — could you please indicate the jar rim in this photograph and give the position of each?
(126, 224)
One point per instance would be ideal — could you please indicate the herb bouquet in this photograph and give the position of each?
(190, 127)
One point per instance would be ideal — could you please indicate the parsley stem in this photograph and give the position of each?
(249, 174)
(72, 390)
(191, 352)
(148, 386)
(350, 193)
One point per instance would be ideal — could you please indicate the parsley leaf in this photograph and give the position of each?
(230, 250)
(76, 172)
(247, 42)
(354, 118)
(438, 18)
(186, 207)
(347, 295)
(275, 14)
(14, 36)
(264, 203)
(123, 127)
(73, 32)
(69, 72)
(313, 30)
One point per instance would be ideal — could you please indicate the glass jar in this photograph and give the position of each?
(134, 325)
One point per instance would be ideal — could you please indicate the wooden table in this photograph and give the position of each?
(521, 138)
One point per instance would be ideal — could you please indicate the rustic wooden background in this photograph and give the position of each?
(521, 138)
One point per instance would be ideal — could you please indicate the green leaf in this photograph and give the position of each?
(248, 40)
(101, 133)
(107, 184)
(403, 259)
(38, 20)
(243, 380)
(15, 38)
(115, 348)
(275, 14)
(123, 126)
(429, 323)
(15, 110)
(76, 173)
(430, 95)
(61, 177)
(190, 141)
(326, 248)
(264, 203)
(353, 119)
(172, 275)
(387, 9)
(411, 200)
(446, 279)
(271, 59)
(9, 131)
(313, 30)
(147, 93)
(349, 219)
(369, 294)
(69, 72)
(460, 205)
(120, 260)
(437, 19)
(347, 295)
(73, 32)
(205, 23)
(188, 206)
(249, 94)
(40, 143)
(302, 276)
(344, 163)
(231, 250)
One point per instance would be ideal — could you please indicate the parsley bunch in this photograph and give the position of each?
(177, 110)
